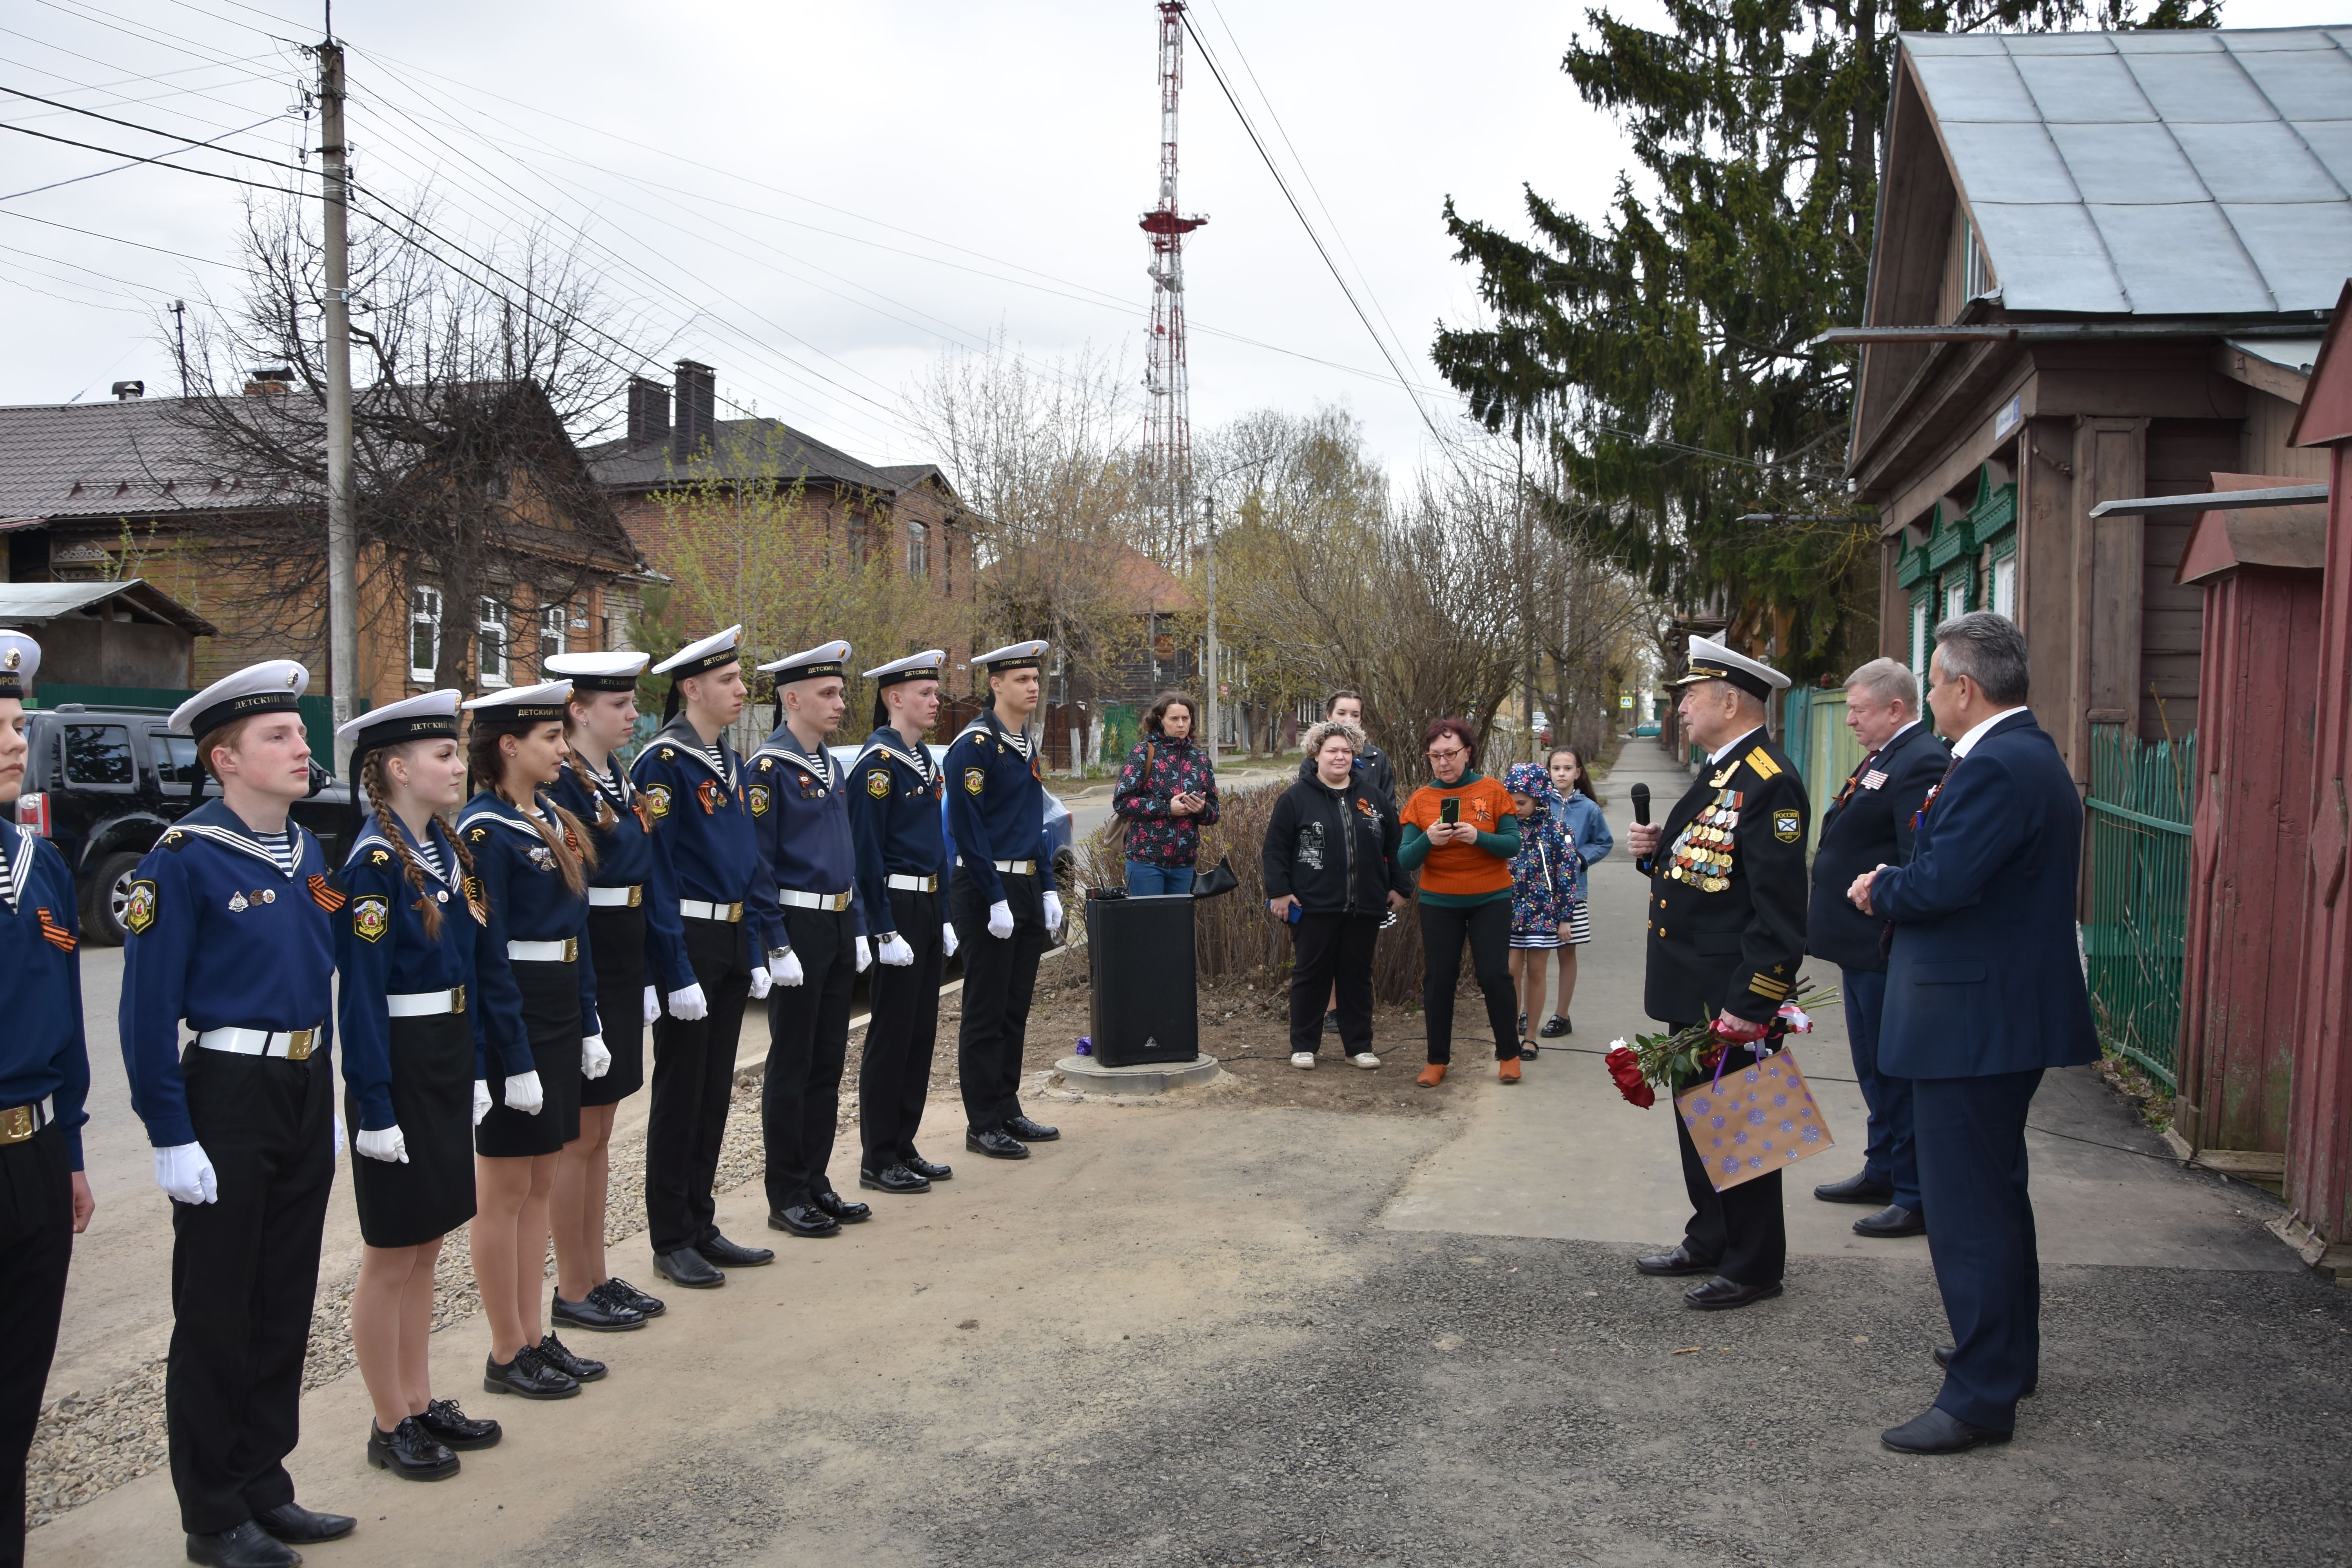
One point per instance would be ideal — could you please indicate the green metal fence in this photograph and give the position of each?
(2140, 804)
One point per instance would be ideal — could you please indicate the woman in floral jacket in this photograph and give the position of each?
(1167, 794)
(1544, 882)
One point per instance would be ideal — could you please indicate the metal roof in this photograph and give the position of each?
(69, 460)
(36, 604)
(2151, 172)
(2297, 354)
(740, 449)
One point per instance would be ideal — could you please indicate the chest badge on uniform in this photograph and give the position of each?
(542, 856)
(1788, 827)
(139, 911)
(657, 800)
(877, 783)
(709, 792)
(759, 800)
(371, 918)
(973, 779)
(239, 903)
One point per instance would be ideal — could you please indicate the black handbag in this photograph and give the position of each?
(1215, 883)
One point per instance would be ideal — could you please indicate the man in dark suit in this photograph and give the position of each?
(1869, 824)
(1984, 992)
(1726, 917)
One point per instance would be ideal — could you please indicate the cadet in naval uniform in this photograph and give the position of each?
(694, 788)
(895, 790)
(799, 816)
(231, 919)
(1727, 890)
(45, 1199)
(1002, 898)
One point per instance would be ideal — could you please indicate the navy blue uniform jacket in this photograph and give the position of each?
(702, 829)
(996, 802)
(625, 858)
(800, 820)
(380, 950)
(524, 899)
(43, 1055)
(1868, 825)
(1984, 975)
(894, 817)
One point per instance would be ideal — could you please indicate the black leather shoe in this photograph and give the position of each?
(579, 1368)
(410, 1452)
(805, 1220)
(1890, 1222)
(1030, 1132)
(1678, 1262)
(1721, 1295)
(929, 1170)
(892, 1179)
(687, 1267)
(997, 1144)
(842, 1209)
(456, 1431)
(619, 1292)
(247, 1546)
(528, 1375)
(297, 1526)
(1556, 1026)
(1528, 1050)
(1855, 1189)
(1943, 1354)
(596, 1317)
(1523, 1026)
(1937, 1432)
(728, 1254)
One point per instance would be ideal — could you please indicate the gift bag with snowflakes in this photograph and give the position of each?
(1751, 1119)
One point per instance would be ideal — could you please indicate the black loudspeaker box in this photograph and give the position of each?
(1146, 1002)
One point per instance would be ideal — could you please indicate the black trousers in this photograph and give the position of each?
(245, 1272)
(1742, 1232)
(901, 1034)
(808, 1039)
(1487, 929)
(1327, 950)
(1000, 977)
(35, 1244)
(694, 1080)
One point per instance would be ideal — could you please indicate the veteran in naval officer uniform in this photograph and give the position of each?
(1726, 929)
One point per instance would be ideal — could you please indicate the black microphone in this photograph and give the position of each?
(1641, 794)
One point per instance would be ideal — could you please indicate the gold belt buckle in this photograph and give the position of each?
(570, 950)
(297, 1045)
(456, 998)
(15, 1124)
(734, 912)
(837, 902)
(637, 894)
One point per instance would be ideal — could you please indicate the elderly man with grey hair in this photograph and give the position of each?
(1870, 824)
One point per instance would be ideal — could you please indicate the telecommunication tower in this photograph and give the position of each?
(1167, 424)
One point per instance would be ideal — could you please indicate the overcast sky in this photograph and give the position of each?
(885, 180)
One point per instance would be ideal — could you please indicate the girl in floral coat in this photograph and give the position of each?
(1167, 792)
(1544, 877)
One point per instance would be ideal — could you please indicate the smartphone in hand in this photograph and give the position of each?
(1449, 810)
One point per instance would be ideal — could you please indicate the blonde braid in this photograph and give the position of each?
(373, 780)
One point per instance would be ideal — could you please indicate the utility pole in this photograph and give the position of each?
(1209, 526)
(343, 534)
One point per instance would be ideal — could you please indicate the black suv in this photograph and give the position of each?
(102, 784)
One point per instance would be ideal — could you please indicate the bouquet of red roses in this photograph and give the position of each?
(1692, 1053)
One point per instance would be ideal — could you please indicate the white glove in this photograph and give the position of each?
(339, 1134)
(761, 983)
(524, 1094)
(784, 968)
(653, 1004)
(896, 952)
(595, 1061)
(865, 955)
(948, 943)
(999, 919)
(1053, 909)
(690, 1004)
(481, 1099)
(184, 1172)
(387, 1146)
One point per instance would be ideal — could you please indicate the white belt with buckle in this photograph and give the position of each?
(1016, 868)
(430, 1004)
(698, 909)
(293, 1045)
(19, 1122)
(900, 882)
(792, 898)
(564, 952)
(627, 897)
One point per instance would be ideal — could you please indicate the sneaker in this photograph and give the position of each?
(1331, 1022)
(1556, 1026)
(1365, 1059)
(1303, 1060)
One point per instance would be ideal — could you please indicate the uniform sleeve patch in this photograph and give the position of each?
(379, 857)
(657, 800)
(760, 800)
(877, 783)
(371, 918)
(973, 780)
(139, 913)
(1788, 827)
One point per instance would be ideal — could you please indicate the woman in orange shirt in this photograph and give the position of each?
(1460, 835)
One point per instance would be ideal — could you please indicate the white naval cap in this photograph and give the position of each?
(20, 656)
(523, 706)
(927, 665)
(432, 717)
(1013, 656)
(597, 671)
(810, 663)
(1710, 660)
(698, 657)
(273, 686)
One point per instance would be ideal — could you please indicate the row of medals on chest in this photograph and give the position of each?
(1703, 853)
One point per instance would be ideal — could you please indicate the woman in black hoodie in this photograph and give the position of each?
(1331, 871)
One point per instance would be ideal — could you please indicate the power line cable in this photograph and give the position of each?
(97, 174)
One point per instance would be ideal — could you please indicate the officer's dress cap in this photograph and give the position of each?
(598, 671)
(1710, 660)
(273, 686)
(432, 717)
(520, 707)
(810, 663)
(927, 665)
(1013, 656)
(20, 656)
(700, 657)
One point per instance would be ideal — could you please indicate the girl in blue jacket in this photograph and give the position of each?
(1577, 809)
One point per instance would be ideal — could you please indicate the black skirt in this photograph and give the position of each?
(433, 1100)
(616, 934)
(550, 1011)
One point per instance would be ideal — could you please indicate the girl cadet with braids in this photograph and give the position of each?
(537, 979)
(405, 949)
(634, 927)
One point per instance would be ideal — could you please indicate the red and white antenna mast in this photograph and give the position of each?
(1168, 422)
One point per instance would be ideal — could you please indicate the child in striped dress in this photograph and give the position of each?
(1543, 890)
